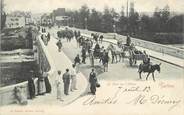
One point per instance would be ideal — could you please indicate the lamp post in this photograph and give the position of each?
(114, 27)
(73, 22)
(85, 23)
(67, 21)
(127, 18)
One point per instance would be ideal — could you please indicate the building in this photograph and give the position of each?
(46, 20)
(15, 21)
(28, 18)
(18, 19)
(59, 17)
(37, 18)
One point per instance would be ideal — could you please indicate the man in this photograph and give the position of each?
(93, 81)
(59, 44)
(80, 41)
(73, 78)
(146, 63)
(31, 87)
(96, 37)
(128, 40)
(66, 81)
(48, 37)
(75, 34)
(97, 46)
(113, 56)
(101, 38)
(45, 40)
(77, 62)
(42, 36)
(102, 53)
(79, 34)
(83, 55)
(88, 45)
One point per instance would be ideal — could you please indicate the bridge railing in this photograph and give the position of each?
(7, 94)
(176, 52)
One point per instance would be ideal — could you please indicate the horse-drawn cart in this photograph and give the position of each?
(136, 55)
(94, 54)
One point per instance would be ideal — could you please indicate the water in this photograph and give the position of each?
(16, 72)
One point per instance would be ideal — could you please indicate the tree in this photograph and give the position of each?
(122, 23)
(84, 14)
(175, 24)
(164, 18)
(145, 24)
(156, 20)
(133, 22)
(160, 19)
(107, 20)
(3, 14)
(94, 21)
(76, 18)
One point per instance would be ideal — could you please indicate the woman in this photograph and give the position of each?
(77, 62)
(58, 85)
(47, 83)
(41, 84)
(93, 81)
(31, 87)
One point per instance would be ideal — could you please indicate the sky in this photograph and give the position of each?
(41, 6)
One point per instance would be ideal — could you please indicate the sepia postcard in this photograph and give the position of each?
(92, 57)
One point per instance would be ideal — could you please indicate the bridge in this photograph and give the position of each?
(51, 60)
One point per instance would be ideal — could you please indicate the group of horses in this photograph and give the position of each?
(118, 54)
(146, 68)
(66, 33)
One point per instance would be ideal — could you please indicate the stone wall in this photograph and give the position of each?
(44, 61)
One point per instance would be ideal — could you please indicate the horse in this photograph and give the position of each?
(148, 70)
(116, 52)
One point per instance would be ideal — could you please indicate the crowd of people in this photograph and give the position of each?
(69, 77)
(43, 87)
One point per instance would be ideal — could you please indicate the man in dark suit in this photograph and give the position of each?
(66, 81)
(83, 55)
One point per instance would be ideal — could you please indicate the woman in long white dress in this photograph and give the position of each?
(59, 85)
(41, 84)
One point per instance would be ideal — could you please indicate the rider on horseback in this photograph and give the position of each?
(97, 47)
(147, 63)
(102, 49)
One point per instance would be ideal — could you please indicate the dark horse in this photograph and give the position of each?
(149, 70)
